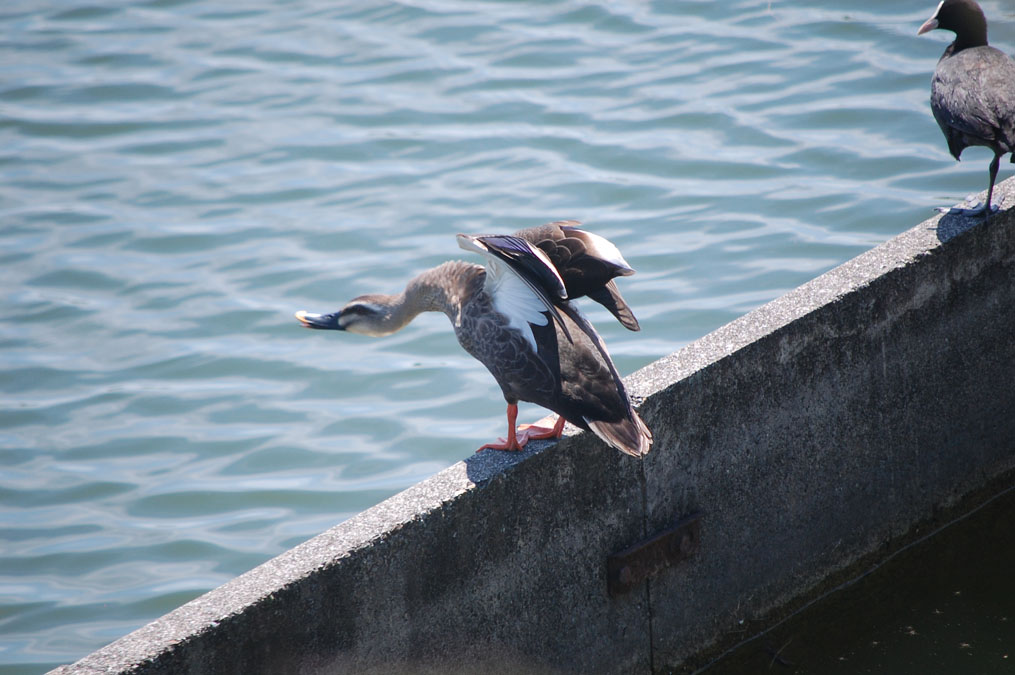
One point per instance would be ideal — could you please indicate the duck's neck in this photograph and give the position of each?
(441, 289)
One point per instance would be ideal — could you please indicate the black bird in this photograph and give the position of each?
(972, 94)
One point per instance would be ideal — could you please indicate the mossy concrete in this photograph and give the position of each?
(809, 434)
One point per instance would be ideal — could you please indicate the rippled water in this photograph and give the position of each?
(178, 177)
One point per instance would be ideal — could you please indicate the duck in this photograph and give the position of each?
(515, 315)
(973, 89)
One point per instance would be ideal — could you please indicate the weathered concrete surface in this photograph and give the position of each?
(831, 421)
(809, 434)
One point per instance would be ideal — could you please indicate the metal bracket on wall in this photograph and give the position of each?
(628, 568)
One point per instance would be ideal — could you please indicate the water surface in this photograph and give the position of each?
(177, 177)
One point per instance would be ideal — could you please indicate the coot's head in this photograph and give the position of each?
(962, 17)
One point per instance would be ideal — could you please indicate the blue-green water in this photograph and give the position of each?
(176, 178)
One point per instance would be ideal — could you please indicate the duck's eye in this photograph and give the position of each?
(359, 310)
(361, 314)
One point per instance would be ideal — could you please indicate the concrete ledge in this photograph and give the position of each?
(811, 433)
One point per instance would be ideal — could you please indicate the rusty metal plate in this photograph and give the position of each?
(627, 569)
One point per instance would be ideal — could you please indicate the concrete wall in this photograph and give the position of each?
(810, 434)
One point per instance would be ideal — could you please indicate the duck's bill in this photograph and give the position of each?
(321, 321)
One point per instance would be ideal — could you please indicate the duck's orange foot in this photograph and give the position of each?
(532, 432)
(526, 432)
(503, 445)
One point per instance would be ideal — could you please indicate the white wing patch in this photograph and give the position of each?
(514, 299)
(511, 296)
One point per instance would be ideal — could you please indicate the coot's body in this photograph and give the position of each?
(973, 90)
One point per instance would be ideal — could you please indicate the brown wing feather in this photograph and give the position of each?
(584, 273)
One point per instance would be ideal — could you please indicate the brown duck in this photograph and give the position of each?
(516, 317)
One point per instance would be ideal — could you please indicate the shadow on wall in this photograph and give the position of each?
(481, 466)
(954, 223)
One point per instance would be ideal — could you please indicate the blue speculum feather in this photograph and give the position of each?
(527, 260)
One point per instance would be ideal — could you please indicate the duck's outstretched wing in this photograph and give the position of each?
(510, 257)
(587, 263)
(609, 297)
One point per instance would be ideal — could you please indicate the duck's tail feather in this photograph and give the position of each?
(629, 435)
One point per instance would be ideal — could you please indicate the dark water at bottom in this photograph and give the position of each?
(943, 605)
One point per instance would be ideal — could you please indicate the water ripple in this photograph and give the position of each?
(179, 177)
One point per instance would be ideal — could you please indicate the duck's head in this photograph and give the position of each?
(372, 315)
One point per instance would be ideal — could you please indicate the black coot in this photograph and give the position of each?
(973, 91)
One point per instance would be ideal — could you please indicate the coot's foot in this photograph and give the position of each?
(971, 208)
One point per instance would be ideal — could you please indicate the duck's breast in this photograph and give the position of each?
(522, 372)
